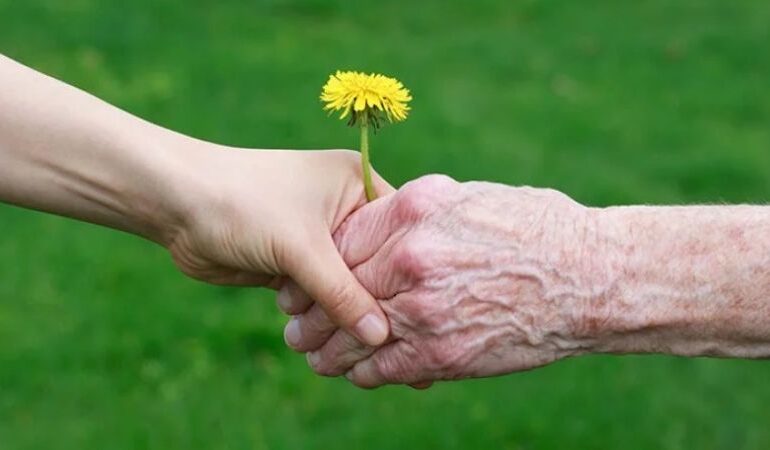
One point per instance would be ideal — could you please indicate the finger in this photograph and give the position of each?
(364, 231)
(392, 269)
(309, 331)
(396, 363)
(338, 355)
(319, 269)
(291, 299)
(359, 237)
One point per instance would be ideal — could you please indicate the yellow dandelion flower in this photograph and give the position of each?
(365, 100)
(365, 96)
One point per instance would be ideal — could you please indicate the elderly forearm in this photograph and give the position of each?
(688, 281)
(67, 152)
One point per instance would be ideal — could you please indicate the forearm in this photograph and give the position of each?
(687, 281)
(66, 152)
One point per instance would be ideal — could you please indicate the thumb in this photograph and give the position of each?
(323, 275)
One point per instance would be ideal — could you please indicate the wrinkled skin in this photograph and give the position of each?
(477, 279)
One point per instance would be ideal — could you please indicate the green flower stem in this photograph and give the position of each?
(365, 165)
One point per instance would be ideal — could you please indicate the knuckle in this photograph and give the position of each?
(418, 198)
(342, 351)
(410, 207)
(399, 366)
(557, 197)
(390, 368)
(412, 258)
(316, 321)
(434, 182)
(345, 345)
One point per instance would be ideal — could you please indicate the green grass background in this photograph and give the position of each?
(103, 345)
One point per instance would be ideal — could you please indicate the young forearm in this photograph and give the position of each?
(66, 152)
(689, 281)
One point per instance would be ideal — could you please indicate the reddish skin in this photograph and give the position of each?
(479, 279)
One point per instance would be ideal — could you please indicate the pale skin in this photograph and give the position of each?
(482, 279)
(227, 215)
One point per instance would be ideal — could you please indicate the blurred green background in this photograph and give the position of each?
(103, 345)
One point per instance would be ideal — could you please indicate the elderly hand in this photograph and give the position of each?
(477, 279)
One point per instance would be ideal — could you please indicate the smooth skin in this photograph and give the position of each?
(227, 215)
(481, 279)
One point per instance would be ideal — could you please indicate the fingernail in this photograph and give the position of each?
(283, 299)
(292, 333)
(371, 329)
(349, 375)
(313, 358)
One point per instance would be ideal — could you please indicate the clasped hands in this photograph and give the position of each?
(440, 280)
(476, 279)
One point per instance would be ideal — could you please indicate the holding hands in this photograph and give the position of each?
(477, 279)
(438, 281)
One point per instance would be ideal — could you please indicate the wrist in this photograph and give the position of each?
(595, 252)
(559, 268)
(174, 186)
(611, 321)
